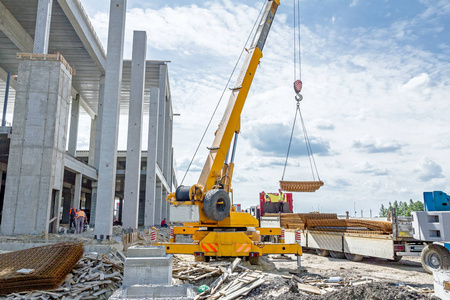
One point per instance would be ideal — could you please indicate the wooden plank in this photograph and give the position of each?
(309, 288)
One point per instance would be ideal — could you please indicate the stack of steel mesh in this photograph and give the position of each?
(40, 268)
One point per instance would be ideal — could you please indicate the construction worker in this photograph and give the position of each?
(81, 219)
(73, 217)
(164, 223)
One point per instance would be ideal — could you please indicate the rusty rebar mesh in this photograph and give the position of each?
(300, 186)
(294, 221)
(51, 264)
(385, 227)
(343, 230)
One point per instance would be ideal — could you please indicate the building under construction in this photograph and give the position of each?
(53, 68)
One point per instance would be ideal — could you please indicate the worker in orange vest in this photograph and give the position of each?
(73, 217)
(81, 219)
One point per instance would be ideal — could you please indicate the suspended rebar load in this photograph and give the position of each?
(300, 186)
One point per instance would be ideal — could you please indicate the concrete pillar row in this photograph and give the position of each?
(150, 180)
(110, 120)
(134, 143)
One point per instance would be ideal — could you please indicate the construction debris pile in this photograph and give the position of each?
(318, 221)
(95, 276)
(227, 280)
(317, 287)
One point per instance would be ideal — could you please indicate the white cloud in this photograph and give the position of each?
(427, 169)
(372, 145)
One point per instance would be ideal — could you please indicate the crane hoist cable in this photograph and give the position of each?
(223, 93)
(300, 186)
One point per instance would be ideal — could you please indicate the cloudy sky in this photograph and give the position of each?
(375, 86)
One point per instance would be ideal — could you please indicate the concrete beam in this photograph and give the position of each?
(110, 120)
(4, 75)
(76, 166)
(42, 30)
(83, 104)
(134, 142)
(14, 30)
(83, 27)
(162, 114)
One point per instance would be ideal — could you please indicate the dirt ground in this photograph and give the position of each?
(408, 270)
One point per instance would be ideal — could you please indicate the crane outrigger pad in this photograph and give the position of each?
(300, 186)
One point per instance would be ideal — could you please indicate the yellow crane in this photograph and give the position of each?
(221, 231)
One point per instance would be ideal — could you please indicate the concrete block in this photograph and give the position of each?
(181, 292)
(442, 284)
(184, 213)
(140, 251)
(148, 270)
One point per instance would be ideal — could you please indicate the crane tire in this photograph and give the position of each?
(216, 205)
(434, 258)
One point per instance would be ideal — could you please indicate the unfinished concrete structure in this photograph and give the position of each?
(39, 177)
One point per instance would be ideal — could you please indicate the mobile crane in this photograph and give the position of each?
(221, 231)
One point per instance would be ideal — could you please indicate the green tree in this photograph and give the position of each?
(402, 208)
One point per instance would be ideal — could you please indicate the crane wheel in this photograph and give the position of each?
(216, 205)
(434, 258)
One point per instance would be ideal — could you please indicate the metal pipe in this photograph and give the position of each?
(5, 103)
(234, 146)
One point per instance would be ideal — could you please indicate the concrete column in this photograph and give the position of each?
(98, 134)
(134, 143)
(162, 116)
(42, 31)
(92, 136)
(150, 180)
(164, 204)
(74, 118)
(38, 145)
(66, 205)
(158, 202)
(120, 210)
(77, 190)
(110, 120)
(167, 146)
(93, 204)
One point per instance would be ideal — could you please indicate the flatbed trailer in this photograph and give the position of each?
(355, 246)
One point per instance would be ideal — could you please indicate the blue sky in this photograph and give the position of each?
(375, 85)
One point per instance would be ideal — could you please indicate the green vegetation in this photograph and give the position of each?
(402, 208)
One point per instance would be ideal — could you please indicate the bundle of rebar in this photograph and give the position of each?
(353, 224)
(294, 221)
(39, 268)
(300, 186)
